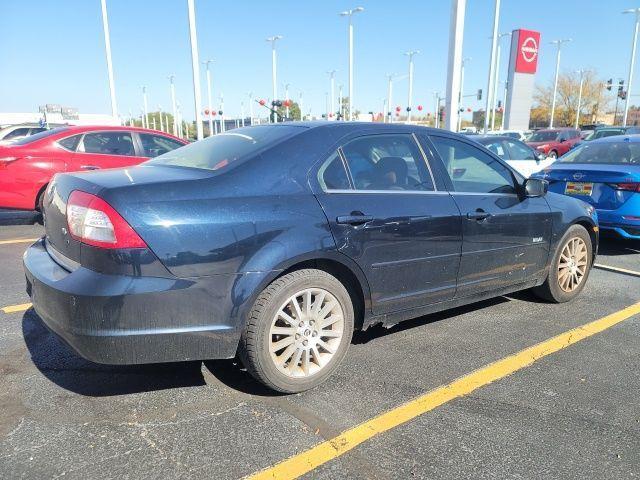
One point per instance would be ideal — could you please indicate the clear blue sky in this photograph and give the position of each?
(53, 51)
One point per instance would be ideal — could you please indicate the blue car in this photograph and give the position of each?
(606, 174)
(274, 243)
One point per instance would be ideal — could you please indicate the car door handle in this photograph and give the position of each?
(478, 215)
(354, 219)
(89, 167)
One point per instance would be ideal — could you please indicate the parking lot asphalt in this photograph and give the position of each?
(572, 414)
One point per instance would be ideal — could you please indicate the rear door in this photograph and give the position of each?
(388, 215)
(505, 237)
(105, 149)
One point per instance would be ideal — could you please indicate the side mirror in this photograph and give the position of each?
(562, 140)
(540, 156)
(535, 187)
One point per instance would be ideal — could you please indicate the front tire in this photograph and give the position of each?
(553, 155)
(569, 267)
(298, 331)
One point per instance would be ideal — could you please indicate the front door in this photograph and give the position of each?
(505, 237)
(385, 213)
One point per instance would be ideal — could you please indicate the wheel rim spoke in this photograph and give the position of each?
(306, 332)
(572, 264)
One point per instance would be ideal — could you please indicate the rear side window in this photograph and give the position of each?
(498, 148)
(472, 170)
(519, 151)
(225, 149)
(18, 132)
(70, 143)
(154, 145)
(332, 174)
(108, 143)
(387, 162)
(38, 136)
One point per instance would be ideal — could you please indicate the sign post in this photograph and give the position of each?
(523, 64)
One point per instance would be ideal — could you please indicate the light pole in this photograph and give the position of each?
(581, 72)
(340, 101)
(195, 66)
(274, 84)
(464, 62)
(332, 77)
(160, 115)
(286, 100)
(410, 54)
(349, 13)
(300, 107)
(206, 63)
(242, 113)
(494, 46)
(146, 107)
(496, 81)
(436, 120)
(223, 125)
(558, 43)
(631, 63)
(389, 113)
(250, 95)
(504, 103)
(107, 48)
(173, 105)
(456, 35)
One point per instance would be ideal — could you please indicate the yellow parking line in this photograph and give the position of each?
(616, 269)
(16, 308)
(18, 240)
(324, 452)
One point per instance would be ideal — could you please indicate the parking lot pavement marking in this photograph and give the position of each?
(18, 240)
(616, 269)
(16, 308)
(322, 453)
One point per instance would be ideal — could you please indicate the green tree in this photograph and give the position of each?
(294, 111)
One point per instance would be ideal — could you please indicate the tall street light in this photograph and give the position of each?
(340, 102)
(581, 73)
(206, 63)
(557, 43)
(389, 114)
(160, 115)
(460, 94)
(492, 63)
(349, 13)
(195, 65)
(107, 47)
(631, 63)
(332, 77)
(286, 100)
(173, 105)
(274, 84)
(300, 107)
(410, 54)
(250, 95)
(456, 36)
(496, 81)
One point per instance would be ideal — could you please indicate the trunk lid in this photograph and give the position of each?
(594, 184)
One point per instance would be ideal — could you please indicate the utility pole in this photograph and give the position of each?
(558, 43)
(173, 105)
(350, 13)
(631, 63)
(107, 47)
(332, 74)
(206, 64)
(581, 73)
(456, 36)
(195, 66)
(410, 54)
(274, 80)
(494, 46)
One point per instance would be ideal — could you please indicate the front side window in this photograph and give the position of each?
(226, 150)
(108, 143)
(519, 151)
(471, 169)
(332, 174)
(70, 143)
(387, 162)
(154, 145)
(544, 136)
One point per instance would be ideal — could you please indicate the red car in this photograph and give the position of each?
(554, 142)
(27, 165)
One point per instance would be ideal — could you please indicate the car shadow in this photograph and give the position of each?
(62, 366)
(19, 218)
(614, 246)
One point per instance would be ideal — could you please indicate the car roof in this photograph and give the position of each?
(616, 139)
(493, 138)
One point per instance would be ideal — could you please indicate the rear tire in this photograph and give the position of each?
(553, 154)
(298, 331)
(40, 205)
(570, 267)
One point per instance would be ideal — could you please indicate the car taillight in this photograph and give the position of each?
(94, 222)
(627, 187)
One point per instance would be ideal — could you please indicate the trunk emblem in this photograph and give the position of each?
(578, 176)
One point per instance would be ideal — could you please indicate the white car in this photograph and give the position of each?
(517, 134)
(13, 133)
(524, 159)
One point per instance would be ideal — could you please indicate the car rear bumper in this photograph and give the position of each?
(117, 319)
(615, 221)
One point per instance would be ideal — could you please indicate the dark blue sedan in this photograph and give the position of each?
(606, 174)
(275, 242)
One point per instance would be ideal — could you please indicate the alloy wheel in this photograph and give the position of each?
(306, 332)
(573, 264)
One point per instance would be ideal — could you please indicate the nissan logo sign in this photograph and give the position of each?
(529, 49)
(578, 176)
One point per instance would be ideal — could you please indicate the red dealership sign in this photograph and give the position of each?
(527, 51)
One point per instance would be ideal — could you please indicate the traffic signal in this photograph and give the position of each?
(499, 103)
(620, 87)
(479, 94)
(609, 84)
(622, 94)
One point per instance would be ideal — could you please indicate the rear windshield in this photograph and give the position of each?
(225, 149)
(607, 133)
(39, 136)
(608, 152)
(544, 136)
